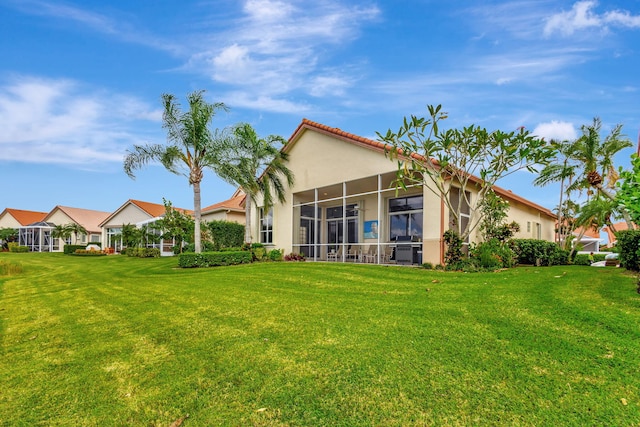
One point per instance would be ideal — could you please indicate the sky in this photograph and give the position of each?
(81, 81)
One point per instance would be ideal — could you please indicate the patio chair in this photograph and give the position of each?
(335, 256)
(387, 253)
(372, 254)
(354, 253)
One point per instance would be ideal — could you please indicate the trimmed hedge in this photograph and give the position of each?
(628, 244)
(84, 252)
(226, 234)
(71, 249)
(143, 252)
(213, 259)
(539, 252)
(15, 247)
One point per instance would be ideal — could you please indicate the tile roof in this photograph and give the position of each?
(154, 210)
(87, 218)
(379, 146)
(235, 203)
(24, 217)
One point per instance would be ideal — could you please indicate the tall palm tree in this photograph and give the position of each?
(189, 148)
(255, 165)
(595, 161)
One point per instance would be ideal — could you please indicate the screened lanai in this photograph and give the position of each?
(37, 237)
(364, 220)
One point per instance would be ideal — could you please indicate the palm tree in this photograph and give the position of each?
(255, 165)
(595, 161)
(189, 148)
(563, 169)
(76, 229)
(61, 232)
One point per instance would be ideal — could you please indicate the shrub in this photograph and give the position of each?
(583, 259)
(191, 247)
(293, 256)
(257, 250)
(275, 254)
(15, 247)
(539, 252)
(493, 254)
(143, 252)
(628, 243)
(85, 252)
(427, 266)
(225, 234)
(71, 249)
(213, 259)
(454, 247)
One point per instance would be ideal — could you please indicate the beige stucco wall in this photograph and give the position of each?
(231, 216)
(130, 214)
(8, 221)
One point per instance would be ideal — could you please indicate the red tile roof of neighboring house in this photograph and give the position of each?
(24, 217)
(379, 146)
(619, 226)
(87, 218)
(235, 203)
(589, 232)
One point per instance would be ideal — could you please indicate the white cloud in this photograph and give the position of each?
(562, 131)
(58, 121)
(583, 16)
(278, 48)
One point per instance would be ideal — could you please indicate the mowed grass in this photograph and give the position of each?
(120, 341)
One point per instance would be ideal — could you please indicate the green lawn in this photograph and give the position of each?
(114, 341)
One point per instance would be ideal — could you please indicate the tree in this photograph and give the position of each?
(562, 168)
(255, 165)
(175, 225)
(8, 235)
(189, 149)
(471, 158)
(628, 195)
(76, 229)
(595, 157)
(61, 232)
(494, 212)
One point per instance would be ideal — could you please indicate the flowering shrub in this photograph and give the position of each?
(294, 257)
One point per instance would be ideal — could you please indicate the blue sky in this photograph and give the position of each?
(80, 81)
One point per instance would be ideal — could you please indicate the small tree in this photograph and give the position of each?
(494, 212)
(628, 196)
(175, 225)
(8, 235)
(470, 159)
(61, 232)
(77, 230)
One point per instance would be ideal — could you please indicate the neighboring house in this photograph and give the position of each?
(15, 218)
(37, 235)
(619, 226)
(343, 205)
(138, 213)
(228, 210)
(590, 241)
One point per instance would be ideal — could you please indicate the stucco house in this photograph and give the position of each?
(343, 206)
(15, 218)
(38, 235)
(137, 213)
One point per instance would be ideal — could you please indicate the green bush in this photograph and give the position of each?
(213, 259)
(275, 254)
(71, 249)
(628, 244)
(15, 247)
(84, 252)
(454, 247)
(226, 234)
(427, 266)
(492, 255)
(191, 247)
(583, 259)
(539, 252)
(143, 252)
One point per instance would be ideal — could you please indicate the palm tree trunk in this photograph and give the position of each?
(198, 215)
(247, 218)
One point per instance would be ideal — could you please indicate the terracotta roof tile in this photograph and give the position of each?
(234, 203)
(87, 218)
(25, 217)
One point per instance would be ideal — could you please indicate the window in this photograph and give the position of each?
(464, 215)
(405, 217)
(335, 225)
(266, 226)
